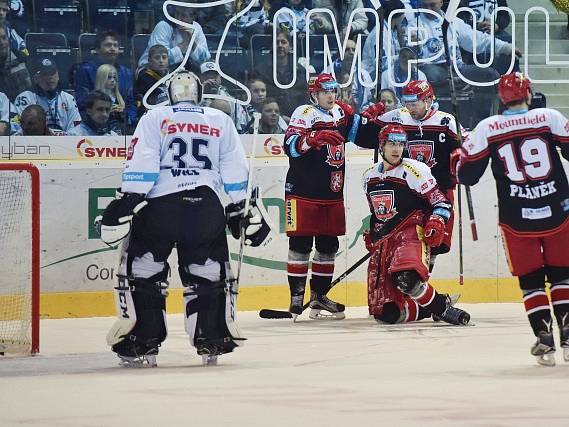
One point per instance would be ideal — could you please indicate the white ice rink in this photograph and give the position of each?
(336, 373)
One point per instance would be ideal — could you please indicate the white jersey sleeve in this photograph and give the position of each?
(143, 157)
(233, 163)
(418, 176)
(559, 125)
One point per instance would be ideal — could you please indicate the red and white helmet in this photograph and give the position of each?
(513, 87)
(321, 83)
(417, 90)
(392, 132)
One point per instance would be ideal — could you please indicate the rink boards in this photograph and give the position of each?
(78, 179)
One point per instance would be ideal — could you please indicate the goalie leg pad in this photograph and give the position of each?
(141, 326)
(210, 308)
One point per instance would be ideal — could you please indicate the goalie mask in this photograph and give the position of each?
(184, 86)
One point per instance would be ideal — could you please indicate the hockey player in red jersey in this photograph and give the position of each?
(432, 140)
(314, 190)
(533, 200)
(409, 213)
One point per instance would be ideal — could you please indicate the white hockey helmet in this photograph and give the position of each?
(184, 86)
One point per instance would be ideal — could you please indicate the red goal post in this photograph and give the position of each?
(19, 257)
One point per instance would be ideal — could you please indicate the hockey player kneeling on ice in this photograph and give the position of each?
(180, 158)
(533, 203)
(314, 190)
(409, 213)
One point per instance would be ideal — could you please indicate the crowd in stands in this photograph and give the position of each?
(93, 70)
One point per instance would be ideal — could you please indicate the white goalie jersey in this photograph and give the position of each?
(182, 147)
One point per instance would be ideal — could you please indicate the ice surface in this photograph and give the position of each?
(352, 372)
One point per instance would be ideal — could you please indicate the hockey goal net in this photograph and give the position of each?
(19, 258)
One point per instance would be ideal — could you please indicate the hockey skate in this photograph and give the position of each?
(454, 316)
(296, 306)
(322, 302)
(147, 360)
(544, 349)
(564, 333)
(451, 300)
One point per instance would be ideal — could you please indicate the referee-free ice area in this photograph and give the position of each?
(352, 372)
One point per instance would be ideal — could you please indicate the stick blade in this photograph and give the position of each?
(274, 314)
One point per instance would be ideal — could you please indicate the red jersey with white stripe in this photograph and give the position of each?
(533, 194)
(430, 140)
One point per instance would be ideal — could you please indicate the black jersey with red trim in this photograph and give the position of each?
(398, 193)
(319, 174)
(533, 194)
(430, 140)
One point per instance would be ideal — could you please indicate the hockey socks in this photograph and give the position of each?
(537, 309)
(413, 311)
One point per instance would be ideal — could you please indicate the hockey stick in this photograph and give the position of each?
(281, 314)
(449, 16)
(381, 14)
(256, 118)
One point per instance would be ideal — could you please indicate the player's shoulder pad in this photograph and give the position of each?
(394, 116)
(303, 116)
(417, 169)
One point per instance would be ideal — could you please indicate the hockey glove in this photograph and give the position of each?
(434, 231)
(374, 111)
(454, 161)
(253, 223)
(115, 223)
(319, 138)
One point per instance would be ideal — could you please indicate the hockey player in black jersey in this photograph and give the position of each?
(314, 190)
(432, 140)
(533, 203)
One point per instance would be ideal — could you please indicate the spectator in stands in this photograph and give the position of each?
(359, 94)
(212, 19)
(96, 118)
(390, 37)
(4, 128)
(7, 109)
(221, 105)
(106, 82)
(18, 17)
(60, 107)
(483, 11)
(147, 77)
(107, 48)
(398, 72)
(322, 23)
(15, 42)
(430, 32)
(389, 99)
(258, 90)
(212, 85)
(33, 121)
(14, 76)
(255, 21)
(291, 98)
(176, 38)
(299, 10)
(271, 120)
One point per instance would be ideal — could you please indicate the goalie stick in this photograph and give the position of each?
(256, 118)
(282, 314)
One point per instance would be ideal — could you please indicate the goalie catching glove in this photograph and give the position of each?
(114, 224)
(253, 223)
